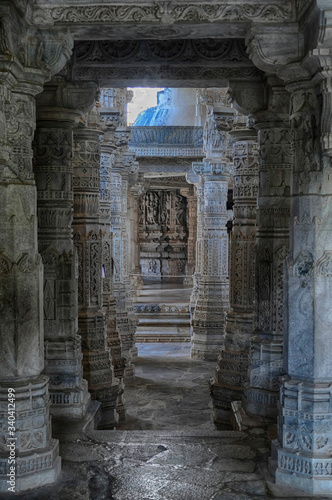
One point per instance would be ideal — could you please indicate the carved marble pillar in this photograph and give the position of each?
(126, 320)
(196, 180)
(276, 161)
(109, 117)
(192, 234)
(302, 453)
(57, 113)
(136, 190)
(28, 454)
(97, 366)
(231, 373)
(208, 322)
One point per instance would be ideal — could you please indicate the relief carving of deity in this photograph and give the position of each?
(152, 208)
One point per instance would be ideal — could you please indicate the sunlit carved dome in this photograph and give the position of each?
(175, 107)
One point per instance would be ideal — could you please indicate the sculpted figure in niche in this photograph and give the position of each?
(142, 211)
(152, 267)
(180, 210)
(152, 208)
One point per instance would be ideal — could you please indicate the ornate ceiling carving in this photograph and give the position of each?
(228, 51)
(131, 62)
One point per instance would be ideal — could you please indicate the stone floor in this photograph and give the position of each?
(170, 390)
(171, 450)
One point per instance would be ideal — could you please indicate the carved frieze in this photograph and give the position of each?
(162, 12)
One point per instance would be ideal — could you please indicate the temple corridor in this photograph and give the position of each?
(166, 283)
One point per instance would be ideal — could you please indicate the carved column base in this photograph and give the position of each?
(68, 390)
(194, 293)
(125, 329)
(208, 323)
(222, 399)
(36, 454)
(136, 281)
(121, 404)
(97, 368)
(231, 372)
(109, 403)
(261, 397)
(301, 457)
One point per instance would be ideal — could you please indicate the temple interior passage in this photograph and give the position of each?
(166, 279)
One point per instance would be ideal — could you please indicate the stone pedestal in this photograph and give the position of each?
(231, 373)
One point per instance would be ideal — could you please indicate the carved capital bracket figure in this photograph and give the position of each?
(59, 108)
(301, 454)
(231, 373)
(88, 240)
(25, 64)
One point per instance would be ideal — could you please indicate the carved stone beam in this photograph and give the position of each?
(270, 49)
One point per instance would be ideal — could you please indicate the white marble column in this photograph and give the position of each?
(126, 321)
(276, 162)
(97, 366)
(208, 321)
(212, 278)
(53, 172)
(302, 453)
(25, 423)
(110, 117)
(231, 373)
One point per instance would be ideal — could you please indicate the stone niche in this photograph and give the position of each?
(163, 232)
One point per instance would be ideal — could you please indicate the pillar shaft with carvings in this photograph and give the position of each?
(126, 321)
(208, 320)
(137, 187)
(302, 453)
(57, 113)
(97, 366)
(276, 161)
(110, 117)
(25, 424)
(192, 233)
(231, 372)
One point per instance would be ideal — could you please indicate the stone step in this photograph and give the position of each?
(163, 334)
(150, 321)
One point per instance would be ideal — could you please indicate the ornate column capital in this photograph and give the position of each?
(248, 97)
(210, 169)
(30, 55)
(63, 103)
